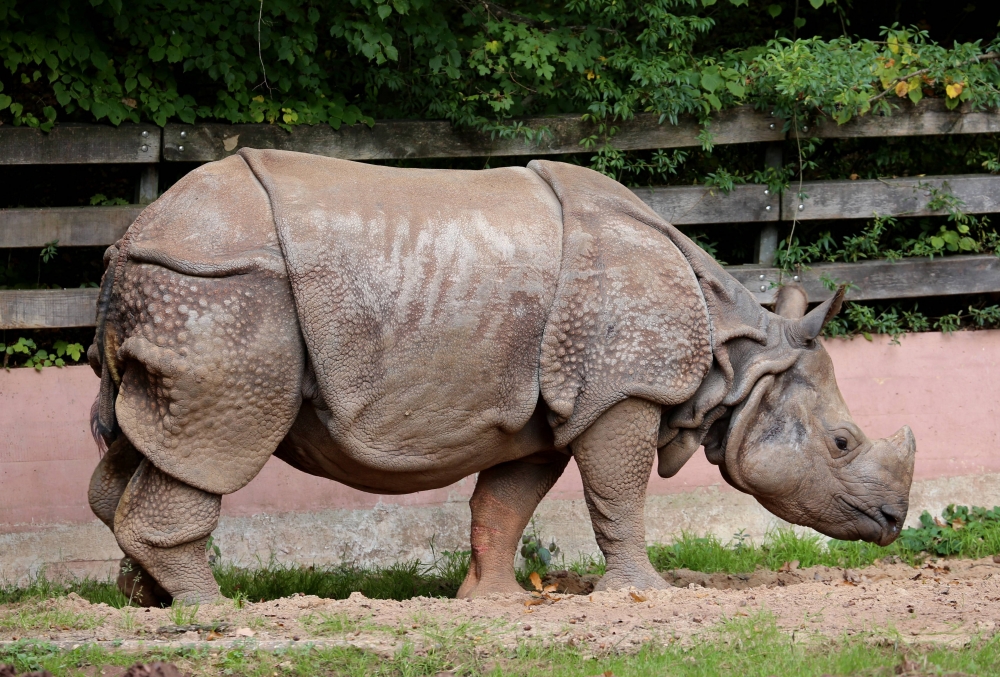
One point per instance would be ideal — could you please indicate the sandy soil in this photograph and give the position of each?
(944, 603)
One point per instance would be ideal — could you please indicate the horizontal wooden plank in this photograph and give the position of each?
(907, 278)
(80, 144)
(400, 139)
(95, 226)
(48, 308)
(680, 205)
(71, 226)
(691, 205)
(928, 118)
(875, 280)
(910, 196)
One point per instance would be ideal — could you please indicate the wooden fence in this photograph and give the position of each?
(149, 146)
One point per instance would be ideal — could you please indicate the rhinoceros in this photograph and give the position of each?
(397, 330)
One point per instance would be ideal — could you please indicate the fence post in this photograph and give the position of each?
(767, 242)
(149, 184)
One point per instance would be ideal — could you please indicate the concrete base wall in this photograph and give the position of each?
(944, 387)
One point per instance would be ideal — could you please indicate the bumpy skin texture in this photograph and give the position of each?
(615, 456)
(111, 477)
(399, 329)
(211, 372)
(506, 496)
(163, 525)
(629, 319)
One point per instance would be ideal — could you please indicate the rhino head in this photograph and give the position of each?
(792, 444)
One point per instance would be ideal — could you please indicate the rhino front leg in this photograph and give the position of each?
(163, 525)
(506, 496)
(615, 456)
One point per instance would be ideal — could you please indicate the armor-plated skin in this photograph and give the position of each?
(396, 330)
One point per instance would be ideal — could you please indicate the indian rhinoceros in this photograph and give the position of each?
(399, 329)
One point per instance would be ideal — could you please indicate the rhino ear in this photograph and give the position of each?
(809, 327)
(791, 302)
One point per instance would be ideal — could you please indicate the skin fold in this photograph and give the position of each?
(397, 330)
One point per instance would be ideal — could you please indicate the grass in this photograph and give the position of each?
(750, 647)
(37, 617)
(961, 532)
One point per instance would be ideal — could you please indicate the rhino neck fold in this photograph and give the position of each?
(748, 343)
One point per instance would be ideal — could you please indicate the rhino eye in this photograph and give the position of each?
(841, 442)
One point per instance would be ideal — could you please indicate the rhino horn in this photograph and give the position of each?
(808, 327)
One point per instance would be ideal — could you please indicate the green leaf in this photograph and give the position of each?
(736, 88)
(4, 101)
(774, 10)
(816, 3)
(799, 22)
(156, 53)
(708, 3)
(384, 11)
(711, 80)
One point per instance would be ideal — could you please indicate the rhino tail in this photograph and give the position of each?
(103, 423)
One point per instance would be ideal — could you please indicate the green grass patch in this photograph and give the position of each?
(750, 647)
(399, 581)
(40, 587)
(959, 532)
(38, 617)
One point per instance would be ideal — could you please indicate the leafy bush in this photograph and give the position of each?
(477, 64)
(36, 357)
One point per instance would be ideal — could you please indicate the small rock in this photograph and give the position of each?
(245, 632)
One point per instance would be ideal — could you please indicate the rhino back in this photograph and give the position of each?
(422, 296)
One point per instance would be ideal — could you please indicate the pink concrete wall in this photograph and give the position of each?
(945, 387)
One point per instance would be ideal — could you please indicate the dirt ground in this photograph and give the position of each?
(939, 603)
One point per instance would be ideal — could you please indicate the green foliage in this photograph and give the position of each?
(476, 64)
(968, 532)
(537, 556)
(104, 201)
(36, 357)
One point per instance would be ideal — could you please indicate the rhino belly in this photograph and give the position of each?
(309, 447)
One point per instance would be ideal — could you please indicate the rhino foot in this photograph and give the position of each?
(638, 577)
(139, 587)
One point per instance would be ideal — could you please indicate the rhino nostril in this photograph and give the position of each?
(893, 516)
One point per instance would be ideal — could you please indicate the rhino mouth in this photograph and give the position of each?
(876, 525)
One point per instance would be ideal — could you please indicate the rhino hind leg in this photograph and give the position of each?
(162, 526)
(615, 455)
(506, 496)
(110, 480)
